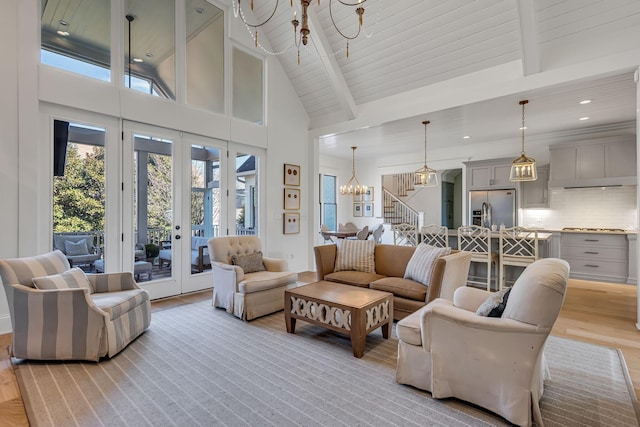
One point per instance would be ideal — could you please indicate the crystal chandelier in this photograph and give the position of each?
(523, 168)
(425, 176)
(353, 187)
(301, 35)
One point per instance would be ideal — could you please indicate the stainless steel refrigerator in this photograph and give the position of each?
(489, 207)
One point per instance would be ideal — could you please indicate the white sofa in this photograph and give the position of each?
(70, 322)
(493, 362)
(247, 295)
(199, 254)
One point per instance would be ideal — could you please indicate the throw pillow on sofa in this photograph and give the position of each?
(356, 255)
(420, 266)
(249, 263)
(70, 279)
(495, 304)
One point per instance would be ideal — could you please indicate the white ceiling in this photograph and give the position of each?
(562, 52)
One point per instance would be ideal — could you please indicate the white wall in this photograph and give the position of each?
(25, 147)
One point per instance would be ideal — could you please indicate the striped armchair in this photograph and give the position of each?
(66, 322)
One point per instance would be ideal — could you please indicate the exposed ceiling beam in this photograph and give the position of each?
(339, 84)
(529, 37)
(479, 86)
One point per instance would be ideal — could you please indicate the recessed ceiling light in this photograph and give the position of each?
(149, 55)
(63, 33)
(63, 22)
(583, 118)
(466, 137)
(199, 10)
(138, 60)
(586, 101)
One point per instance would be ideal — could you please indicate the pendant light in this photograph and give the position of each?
(353, 187)
(425, 176)
(523, 168)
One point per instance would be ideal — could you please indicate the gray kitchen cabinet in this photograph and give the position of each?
(596, 256)
(535, 194)
(489, 174)
(593, 163)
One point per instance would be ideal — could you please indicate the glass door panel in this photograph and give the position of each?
(246, 195)
(155, 239)
(202, 216)
(79, 193)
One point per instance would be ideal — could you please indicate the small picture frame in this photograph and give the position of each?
(357, 209)
(291, 199)
(291, 174)
(291, 223)
(368, 195)
(367, 208)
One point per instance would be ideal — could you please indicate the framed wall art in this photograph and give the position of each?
(367, 208)
(291, 199)
(291, 223)
(357, 209)
(291, 174)
(368, 195)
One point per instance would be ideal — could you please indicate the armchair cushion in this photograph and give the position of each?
(495, 304)
(421, 264)
(356, 255)
(76, 248)
(249, 263)
(70, 279)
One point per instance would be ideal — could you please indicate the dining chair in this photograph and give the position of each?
(363, 234)
(435, 235)
(518, 247)
(477, 240)
(324, 228)
(405, 234)
(377, 233)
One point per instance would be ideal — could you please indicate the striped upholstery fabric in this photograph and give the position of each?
(421, 264)
(71, 324)
(356, 255)
(70, 279)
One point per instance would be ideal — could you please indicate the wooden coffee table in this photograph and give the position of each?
(347, 309)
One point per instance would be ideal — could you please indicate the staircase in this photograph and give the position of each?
(394, 209)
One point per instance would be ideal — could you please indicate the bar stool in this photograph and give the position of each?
(405, 234)
(477, 240)
(435, 235)
(518, 247)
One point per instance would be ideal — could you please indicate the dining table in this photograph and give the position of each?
(342, 234)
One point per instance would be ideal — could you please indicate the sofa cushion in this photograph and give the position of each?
(401, 287)
(355, 278)
(421, 264)
(495, 304)
(264, 280)
(71, 279)
(76, 248)
(120, 302)
(355, 255)
(249, 263)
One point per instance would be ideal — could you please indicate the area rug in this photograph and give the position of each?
(198, 365)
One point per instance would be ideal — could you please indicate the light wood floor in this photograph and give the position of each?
(600, 313)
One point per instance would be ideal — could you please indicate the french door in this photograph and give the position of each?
(172, 205)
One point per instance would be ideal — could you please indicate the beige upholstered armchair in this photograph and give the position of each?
(494, 362)
(59, 313)
(246, 283)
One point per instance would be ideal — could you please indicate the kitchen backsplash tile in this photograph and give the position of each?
(610, 207)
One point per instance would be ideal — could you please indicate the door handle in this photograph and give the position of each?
(177, 237)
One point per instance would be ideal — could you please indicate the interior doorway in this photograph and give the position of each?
(452, 198)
